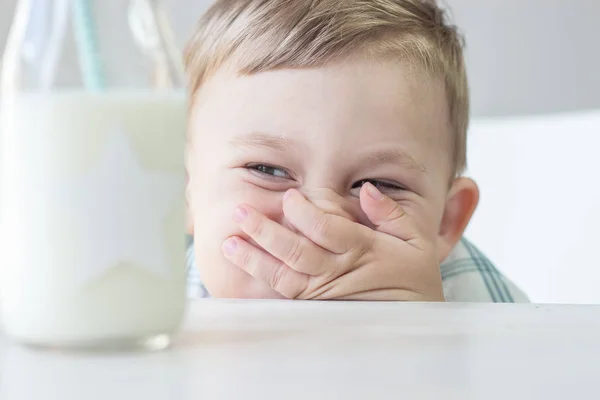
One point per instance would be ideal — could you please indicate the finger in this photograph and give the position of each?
(332, 232)
(265, 267)
(387, 215)
(292, 249)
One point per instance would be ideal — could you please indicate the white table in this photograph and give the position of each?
(308, 350)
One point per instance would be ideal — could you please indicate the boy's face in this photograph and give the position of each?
(324, 131)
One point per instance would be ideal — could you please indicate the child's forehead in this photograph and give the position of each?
(376, 153)
(362, 86)
(345, 107)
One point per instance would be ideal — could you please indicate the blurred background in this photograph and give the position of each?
(534, 70)
(533, 56)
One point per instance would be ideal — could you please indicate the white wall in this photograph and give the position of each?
(531, 56)
(539, 214)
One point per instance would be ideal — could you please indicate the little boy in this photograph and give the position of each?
(326, 144)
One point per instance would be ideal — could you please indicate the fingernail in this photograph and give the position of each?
(229, 247)
(287, 195)
(373, 192)
(240, 214)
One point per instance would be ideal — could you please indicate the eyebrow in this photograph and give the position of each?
(395, 156)
(282, 144)
(263, 140)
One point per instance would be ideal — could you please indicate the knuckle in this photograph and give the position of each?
(275, 279)
(395, 213)
(258, 228)
(322, 226)
(295, 254)
(368, 247)
(246, 259)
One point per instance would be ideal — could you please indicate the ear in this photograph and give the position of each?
(460, 205)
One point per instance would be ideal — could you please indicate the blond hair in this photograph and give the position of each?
(261, 35)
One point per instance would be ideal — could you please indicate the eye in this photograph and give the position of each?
(269, 170)
(383, 186)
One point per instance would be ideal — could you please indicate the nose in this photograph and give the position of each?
(331, 202)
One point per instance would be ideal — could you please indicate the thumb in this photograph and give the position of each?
(387, 215)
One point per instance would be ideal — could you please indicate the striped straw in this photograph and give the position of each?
(87, 43)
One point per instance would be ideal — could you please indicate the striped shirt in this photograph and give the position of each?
(467, 275)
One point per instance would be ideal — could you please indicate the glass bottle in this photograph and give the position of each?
(92, 175)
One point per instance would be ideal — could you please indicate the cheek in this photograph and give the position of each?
(213, 207)
(268, 203)
(426, 214)
(215, 203)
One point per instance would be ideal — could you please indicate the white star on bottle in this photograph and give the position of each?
(121, 209)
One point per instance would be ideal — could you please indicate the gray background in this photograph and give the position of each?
(524, 56)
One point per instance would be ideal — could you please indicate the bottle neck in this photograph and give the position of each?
(93, 44)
